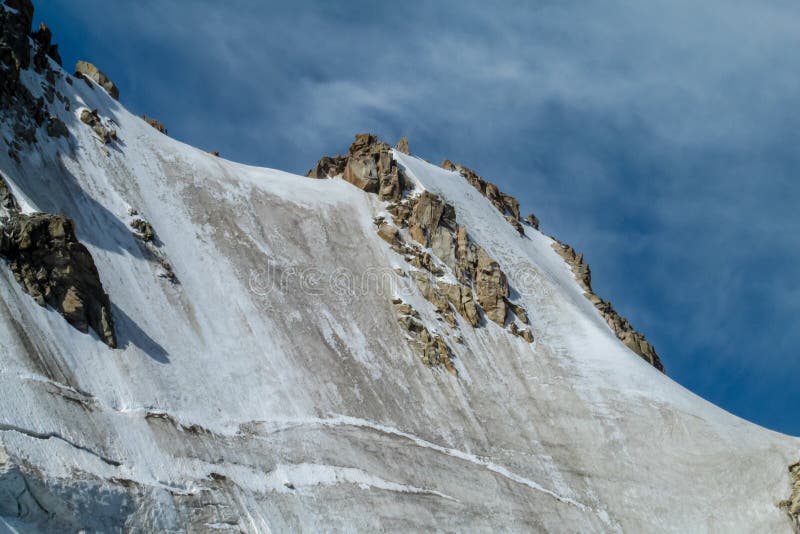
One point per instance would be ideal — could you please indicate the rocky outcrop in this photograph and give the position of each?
(155, 123)
(143, 230)
(328, 167)
(431, 348)
(792, 504)
(24, 112)
(25, 9)
(45, 48)
(618, 324)
(437, 242)
(368, 165)
(93, 73)
(432, 223)
(505, 204)
(92, 119)
(53, 267)
(491, 287)
(402, 146)
(462, 299)
(14, 29)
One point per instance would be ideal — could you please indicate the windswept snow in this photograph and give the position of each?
(263, 369)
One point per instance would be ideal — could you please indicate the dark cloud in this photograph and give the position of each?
(659, 137)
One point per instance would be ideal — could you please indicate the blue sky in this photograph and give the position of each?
(661, 138)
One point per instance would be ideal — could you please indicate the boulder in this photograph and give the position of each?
(52, 266)
(389, 233)
(90, 71)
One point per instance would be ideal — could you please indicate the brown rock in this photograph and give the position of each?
(389, 233)
(792, 504)
(402, 146)
(516, 224)
(462, 300)
(57, 270)
(433, 224)
(430, 291)
(491, 288)
(328, 167)
(155, 123)
(532, 220)
(93, 73)
(519, 311)
(431, 348)
(144, 230)
(370, 167)
(91, 118)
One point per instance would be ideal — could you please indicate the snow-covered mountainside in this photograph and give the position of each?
(390, 348)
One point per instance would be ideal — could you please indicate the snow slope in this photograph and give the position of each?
(261, 394)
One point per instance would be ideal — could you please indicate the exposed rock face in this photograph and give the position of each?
(618, 324)
(45, 49)
(431, 348)
(792, 504)
(144, 230)
(91, 118)
(532, 220)
(14, 30)
(25, 112)
(25, 8)
(431, 222)
(93, 73)
(491, 286)
(433, 225)
(328, 167)
(402, 146)
(155, 123)
(463, 301)
(53, 267)
(369, 166)
(57, 270)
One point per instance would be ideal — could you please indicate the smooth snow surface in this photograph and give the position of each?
(256, 395)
